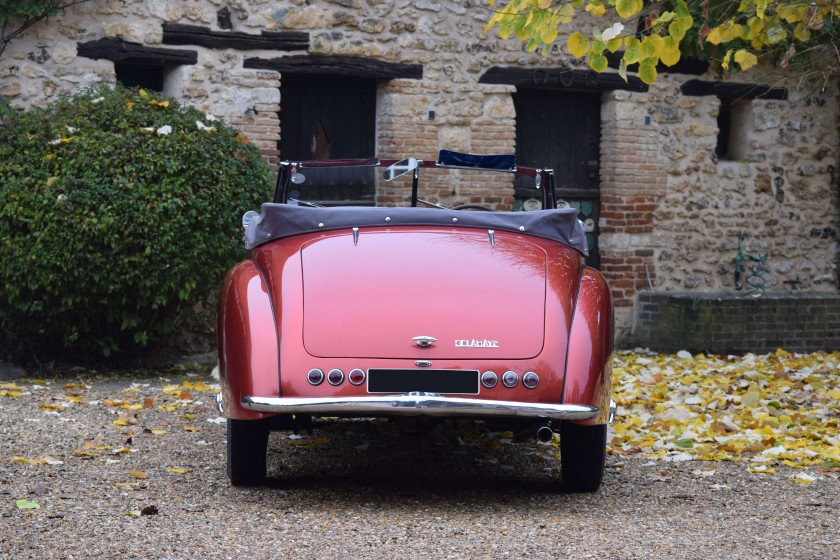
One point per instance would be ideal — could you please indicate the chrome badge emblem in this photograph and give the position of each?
(476, 343)
(424, 341)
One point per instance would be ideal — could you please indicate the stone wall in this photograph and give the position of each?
(671, 212)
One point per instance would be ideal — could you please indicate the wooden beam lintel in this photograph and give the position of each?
(180, 34)
(338, 66)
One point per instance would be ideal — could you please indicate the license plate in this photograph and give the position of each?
(443, 381)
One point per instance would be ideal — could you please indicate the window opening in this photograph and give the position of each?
(330, 117)
(733, 122)
(146, 76)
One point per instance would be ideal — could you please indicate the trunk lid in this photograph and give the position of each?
(372, 298)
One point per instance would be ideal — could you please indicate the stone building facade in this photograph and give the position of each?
(682, 169)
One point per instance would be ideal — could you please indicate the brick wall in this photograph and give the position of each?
(633, 179)
(724, 324)
(261, 121)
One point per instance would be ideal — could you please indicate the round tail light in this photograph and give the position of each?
(489, 379)
(315, 376)
(335, 377)
(510, 379)
(531, 380)
(356, 376)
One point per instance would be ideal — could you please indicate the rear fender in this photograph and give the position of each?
(589, 359)
(247, 341)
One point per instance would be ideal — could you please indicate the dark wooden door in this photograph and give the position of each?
(562, 130)
(323, 117)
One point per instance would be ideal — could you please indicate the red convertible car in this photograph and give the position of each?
(416, 313)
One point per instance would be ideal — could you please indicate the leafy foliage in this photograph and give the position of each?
(729, 33)
(117, 209)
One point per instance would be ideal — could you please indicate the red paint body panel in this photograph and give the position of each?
(247, 340)
(370, 299)
(589, 367)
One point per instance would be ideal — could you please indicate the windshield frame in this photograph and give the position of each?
(544, 178)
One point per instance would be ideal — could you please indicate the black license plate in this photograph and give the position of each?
(444, 381)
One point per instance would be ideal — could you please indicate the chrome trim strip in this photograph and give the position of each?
(418, 405)
(219, 405)
(613, 407)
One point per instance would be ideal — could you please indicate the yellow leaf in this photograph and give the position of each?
(10, 394)
(793, 13)
(191, 429)
(138, 474)
(714, 36)
(595, 8)
(177, 471)
(45, 406)
(622, 71)
(670, 54)
(628, 8)
(597, 62)
(647, 71)
(725, 65)
(28, 461)
(143, 94)
(158, 432)
(565, 13)
(801, 33)
(752, 396)
(614, 44)
(652, 46)
(119, 422)
(745, 59)
(578, 44)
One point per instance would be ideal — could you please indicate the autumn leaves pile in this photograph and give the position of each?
(772, 411)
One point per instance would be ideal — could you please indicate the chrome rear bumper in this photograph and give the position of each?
(420, 404)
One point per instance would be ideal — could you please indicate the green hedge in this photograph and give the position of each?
(118, 209)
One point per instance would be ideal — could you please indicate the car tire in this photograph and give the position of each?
(583, 452)
(247, 442)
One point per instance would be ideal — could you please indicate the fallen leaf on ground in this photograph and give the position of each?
(26, 504)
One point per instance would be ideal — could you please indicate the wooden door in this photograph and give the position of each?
(562, 130)
(324, 117)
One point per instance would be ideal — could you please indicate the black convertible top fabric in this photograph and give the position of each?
(284, 220)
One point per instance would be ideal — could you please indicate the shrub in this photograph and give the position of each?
(118, 208)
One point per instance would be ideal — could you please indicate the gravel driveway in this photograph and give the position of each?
(122, 469)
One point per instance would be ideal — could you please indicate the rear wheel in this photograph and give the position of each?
(582, 456)
(247, 441)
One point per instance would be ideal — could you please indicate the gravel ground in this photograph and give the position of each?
(112, 488)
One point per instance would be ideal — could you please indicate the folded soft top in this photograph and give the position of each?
(284, 220)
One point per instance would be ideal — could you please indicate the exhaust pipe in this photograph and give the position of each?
(544, 434)
(527, 431)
